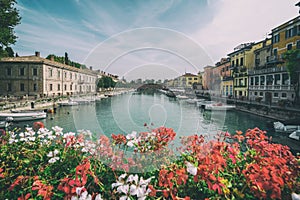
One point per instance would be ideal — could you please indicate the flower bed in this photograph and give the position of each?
(50, 164)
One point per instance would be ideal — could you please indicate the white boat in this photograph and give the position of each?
(4, 124)
(68, 103)
(219, 107)
(203, 104)
(295, 135)
(191, 101)
(23, 116)
(181, 97)
(285, 127)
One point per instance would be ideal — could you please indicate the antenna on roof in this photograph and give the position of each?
(298, 4)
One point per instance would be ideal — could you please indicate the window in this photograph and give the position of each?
(195, 79)
(289, 46)
(71, 75)
(22, 71)
(190, 79)
(275, 94)
(34, 72)
(242, 61)
(58, 73)
(50, 72)
(283, 95)
(35, 87)
(256, 80)
(298, 44)
(237, 62)
(285, 79)
(261, 94)
(65, 87)
(65, 74)
(251, 81)
(262, 80)
(58, 87)
(22, 87)
(232, 63)
(8, 71)
(51, 87)
(277, 79)
(276, 38)
(71, 87)
(255, 93)
(269, 79)
(9, 87)
(275, 52)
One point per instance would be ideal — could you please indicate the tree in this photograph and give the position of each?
(105, 82)
(9, 16)
(292, 58)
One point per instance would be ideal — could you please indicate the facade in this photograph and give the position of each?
(187, 80)
(285, 37)
(226, 79)
(40, 77)
(242, 59)
(269, 81)
(207, 77)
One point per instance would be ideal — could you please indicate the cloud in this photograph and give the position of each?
(243, 21)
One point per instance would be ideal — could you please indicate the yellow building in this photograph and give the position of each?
(285, 37)
(242, 59)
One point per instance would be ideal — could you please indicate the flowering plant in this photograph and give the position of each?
(50, 164)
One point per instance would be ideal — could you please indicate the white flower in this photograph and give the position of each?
(50, 154)
(191, 168)
(78, 190)
(124, 198)
(123, 189)
(116, 184)
(132, 143)
(145, 182)
(132, 178)
(22, 134)
(122, 177)
(131, 136)
(58, 130)
(98, 197)
(55, 152)
(53, 160)
(31, 139)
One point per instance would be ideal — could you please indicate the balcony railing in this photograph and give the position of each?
(271, 87)
(268, 70)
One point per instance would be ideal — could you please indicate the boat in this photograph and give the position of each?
(191, 101)
(295, 135)
(68, 103)
(23, 116)
(181, 97)
(4, 124)
(282, 127)
(203, 104)
(219, 107)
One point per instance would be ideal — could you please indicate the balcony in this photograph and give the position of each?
(271, 87)
(227, 78)
(267, 70)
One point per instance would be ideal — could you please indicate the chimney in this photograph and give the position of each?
(52, 57)
(37, 54)
(91, 68)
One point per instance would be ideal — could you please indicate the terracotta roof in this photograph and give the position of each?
(36, 59)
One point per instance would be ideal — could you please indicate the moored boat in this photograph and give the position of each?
(286, 127)
(295, 135)
(23, 116)
(68, 103)
(219, 107)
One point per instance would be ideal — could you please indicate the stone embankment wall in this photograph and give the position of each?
(273, 112)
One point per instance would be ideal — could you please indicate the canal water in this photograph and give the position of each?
(142, 112)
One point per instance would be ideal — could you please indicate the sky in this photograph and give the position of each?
(146, 39)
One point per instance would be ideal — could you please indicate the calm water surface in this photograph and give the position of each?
(129, 112)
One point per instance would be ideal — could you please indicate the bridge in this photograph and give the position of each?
(150, 87)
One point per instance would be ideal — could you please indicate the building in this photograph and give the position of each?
(207, 78)
(186, 80)
(40, 77)
(269, 81)
(226, 79)
(242, 59)
(285, 37)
